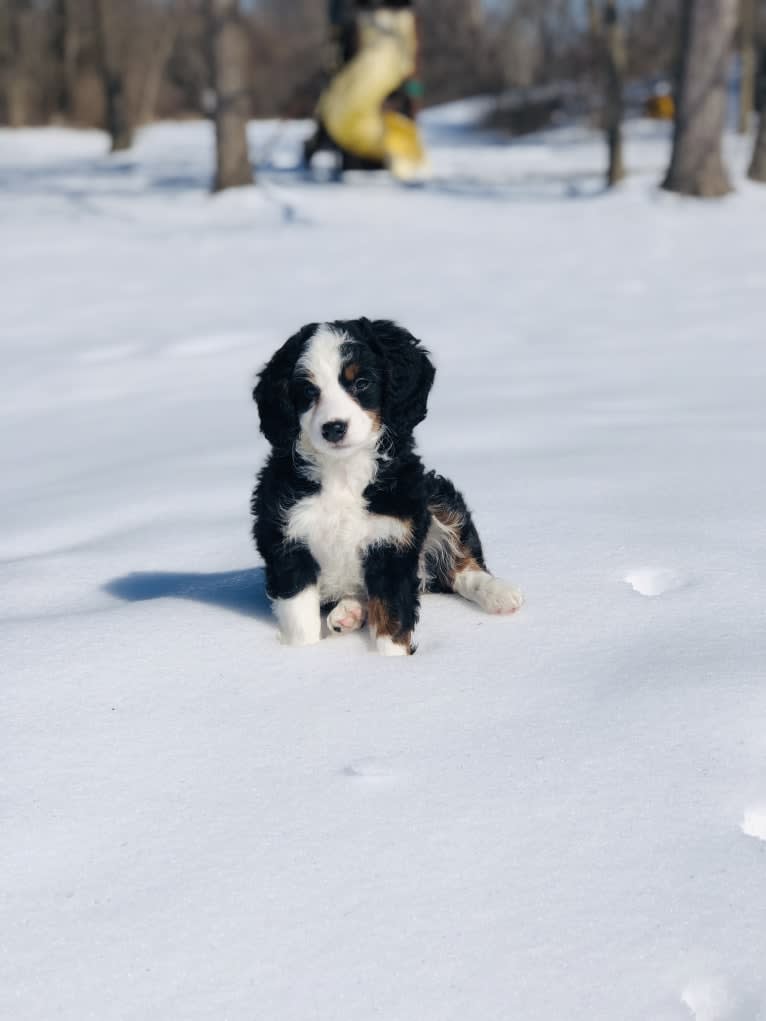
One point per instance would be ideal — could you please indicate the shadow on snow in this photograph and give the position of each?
(242, 592)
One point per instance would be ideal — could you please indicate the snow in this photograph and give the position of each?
(754, 824)
(536, 818)
(654, 581)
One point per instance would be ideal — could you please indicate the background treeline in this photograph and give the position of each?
(67, 60)
(119, 64)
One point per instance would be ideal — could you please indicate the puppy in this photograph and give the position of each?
(346, 519)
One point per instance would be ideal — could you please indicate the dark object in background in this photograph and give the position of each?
(760, 83)
(757, 169)
(609, 43)
(526, 111)
(117, 117)
(342, 14)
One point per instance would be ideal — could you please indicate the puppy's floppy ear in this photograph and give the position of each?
(279, 419)
(409, 374)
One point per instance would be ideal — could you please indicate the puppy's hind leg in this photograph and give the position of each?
(492, 594)
(453, 558)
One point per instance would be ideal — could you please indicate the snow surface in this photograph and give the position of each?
(533, 819)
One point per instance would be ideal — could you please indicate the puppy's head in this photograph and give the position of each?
(338, 385)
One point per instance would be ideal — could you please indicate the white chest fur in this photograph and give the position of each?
(338, 528)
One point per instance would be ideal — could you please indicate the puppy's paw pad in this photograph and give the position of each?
(348, 615)
(501, 598)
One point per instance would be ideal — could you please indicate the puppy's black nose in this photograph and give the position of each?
(334, 432)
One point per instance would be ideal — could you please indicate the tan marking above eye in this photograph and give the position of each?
(350, 372)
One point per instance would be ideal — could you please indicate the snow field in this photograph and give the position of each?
(559, 815)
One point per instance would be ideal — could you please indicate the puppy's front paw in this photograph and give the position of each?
(388, 647)
(300, 637)
(349, 615)
(300, 622)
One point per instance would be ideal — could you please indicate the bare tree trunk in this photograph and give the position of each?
(229, 63)
(696, 166)
(118, 121)
(615, 69)
(747, 63)
(757, 171)
(161, 50)
(12, 78)
(610, 45)
(65, 43)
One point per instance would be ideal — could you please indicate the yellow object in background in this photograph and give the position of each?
(405, 154)
(661, 107)
(351, 109)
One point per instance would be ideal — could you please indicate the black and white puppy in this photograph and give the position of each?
(346, 519)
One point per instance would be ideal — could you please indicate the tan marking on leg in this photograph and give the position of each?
(465, 562)
(451, 519)
(383, 625)
(456, 556)
(380, 618)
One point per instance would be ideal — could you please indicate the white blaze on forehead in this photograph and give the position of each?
(322, 359)
(322, 362)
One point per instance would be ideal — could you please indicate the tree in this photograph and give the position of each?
(747, 63)
(61, 47)
(608, 37)
(13, 79)
(228, 52)
(757, 171)
(161, 33)
(696, 165)
(118, 121)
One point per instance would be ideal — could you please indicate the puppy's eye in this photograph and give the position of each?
(359, 386)
(308, 391)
